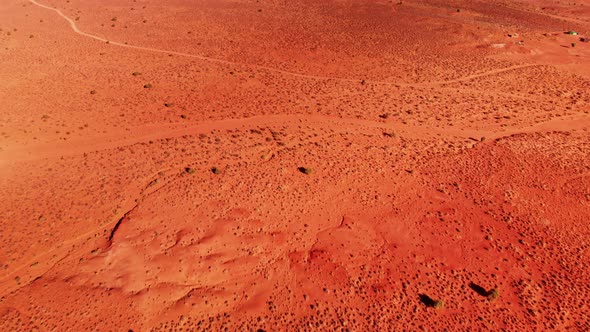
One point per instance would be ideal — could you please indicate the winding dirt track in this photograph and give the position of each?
(135, 193)
(162, 131)
(558, 17)
(275, 70)
(398, 207)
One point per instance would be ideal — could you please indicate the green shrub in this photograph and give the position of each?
(493, 294)
(438, 304)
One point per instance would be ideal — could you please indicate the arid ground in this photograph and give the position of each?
(300, 165)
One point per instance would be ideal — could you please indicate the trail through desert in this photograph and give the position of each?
(303, 165)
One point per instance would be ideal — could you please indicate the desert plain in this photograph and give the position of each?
(302, 165)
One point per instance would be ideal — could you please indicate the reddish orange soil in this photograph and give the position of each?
(271, 165)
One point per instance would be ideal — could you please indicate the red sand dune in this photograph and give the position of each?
(294, 165)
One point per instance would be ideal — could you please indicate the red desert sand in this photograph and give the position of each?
(305, 165)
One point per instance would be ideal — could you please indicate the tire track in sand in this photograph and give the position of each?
(98, 143)
(273, 69)
(137, 191)
(164, 131)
